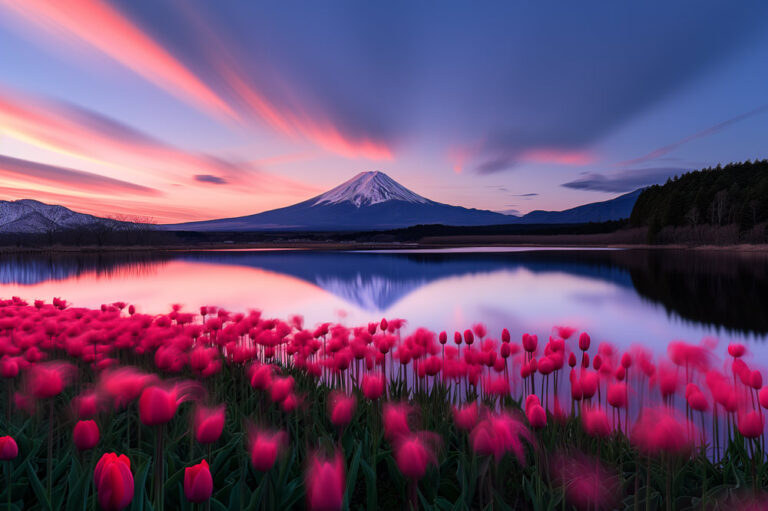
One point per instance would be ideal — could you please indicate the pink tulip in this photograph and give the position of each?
(537, 417)
(395, 419)
(584, 341)
(413, 453)
(373, 386)
(341, 409)
(8, 448)
(48, 380)
(617, 395)
(85, 435)
(659, 431)
(198, 483)
(114, 481)
(499, 434)
(209, 423)
(264, 448)
(325, 483)
(595, 422)
(465, 417)
(281, 388)
(751, 424)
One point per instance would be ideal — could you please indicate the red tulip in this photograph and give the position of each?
(281, 388)
(9, 367)
(457, 338)
(589, 382)
(530, 343)
(763, 397)
(736, 350)
(499, 434)
(85, 435)
(264, 448)
(588, 483)
(443, 337)
(537, 417)
(395, 419)
(157, 406)
(658, 431)
(114, 481)
(8, 448)
(372, 386)
(341, 408)
(479, 330)
(261, 376)
(751, 424)
(48, 380)
(595, 422)
(209, 423)
(125, 384)
(617, 395)
(413, 453)
(584, 341)
(696, 398)
(198, 483)
(325, 484)
(87, 405)
(466, 416)
(505, 337)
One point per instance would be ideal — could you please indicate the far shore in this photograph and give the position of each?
(565, 241)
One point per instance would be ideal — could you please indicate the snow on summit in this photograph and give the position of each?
(369, 188)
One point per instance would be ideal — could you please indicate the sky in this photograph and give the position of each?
(183, 110)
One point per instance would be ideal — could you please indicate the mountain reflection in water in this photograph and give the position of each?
(719, 289)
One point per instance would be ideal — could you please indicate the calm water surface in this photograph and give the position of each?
(623, 296)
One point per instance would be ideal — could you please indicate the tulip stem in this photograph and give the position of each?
(159, 497)
(50, 452)
(8, 476)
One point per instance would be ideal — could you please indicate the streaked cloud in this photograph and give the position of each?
(35, 172)
(625, 180)
(106, 29)
(208, 178)
(660, 153)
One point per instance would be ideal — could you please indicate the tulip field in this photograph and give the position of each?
(113, 409)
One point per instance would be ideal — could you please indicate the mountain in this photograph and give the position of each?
(374, 201)
(368, 201)
(614, 209)
(31, 216)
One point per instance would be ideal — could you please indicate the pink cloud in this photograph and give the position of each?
(558, 156)
(105, 29)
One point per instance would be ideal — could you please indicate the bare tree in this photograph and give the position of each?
(719, 205)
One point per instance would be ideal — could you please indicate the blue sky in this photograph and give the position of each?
(229, 108)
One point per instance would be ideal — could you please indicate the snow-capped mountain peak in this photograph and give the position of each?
(369, 188)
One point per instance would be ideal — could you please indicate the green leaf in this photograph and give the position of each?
(37, 487)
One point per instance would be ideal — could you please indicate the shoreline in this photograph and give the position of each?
(364, 246)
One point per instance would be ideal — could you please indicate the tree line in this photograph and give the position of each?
(701, 201)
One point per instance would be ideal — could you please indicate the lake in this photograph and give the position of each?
(630, 296)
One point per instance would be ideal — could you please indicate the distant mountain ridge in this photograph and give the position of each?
(613, 209)
(370, 201)
(31, 216)
(375, 201)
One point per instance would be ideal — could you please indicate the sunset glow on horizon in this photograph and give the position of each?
(184, 111)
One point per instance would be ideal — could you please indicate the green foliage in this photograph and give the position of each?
(460, 481)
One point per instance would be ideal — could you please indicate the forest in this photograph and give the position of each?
(705, 201)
